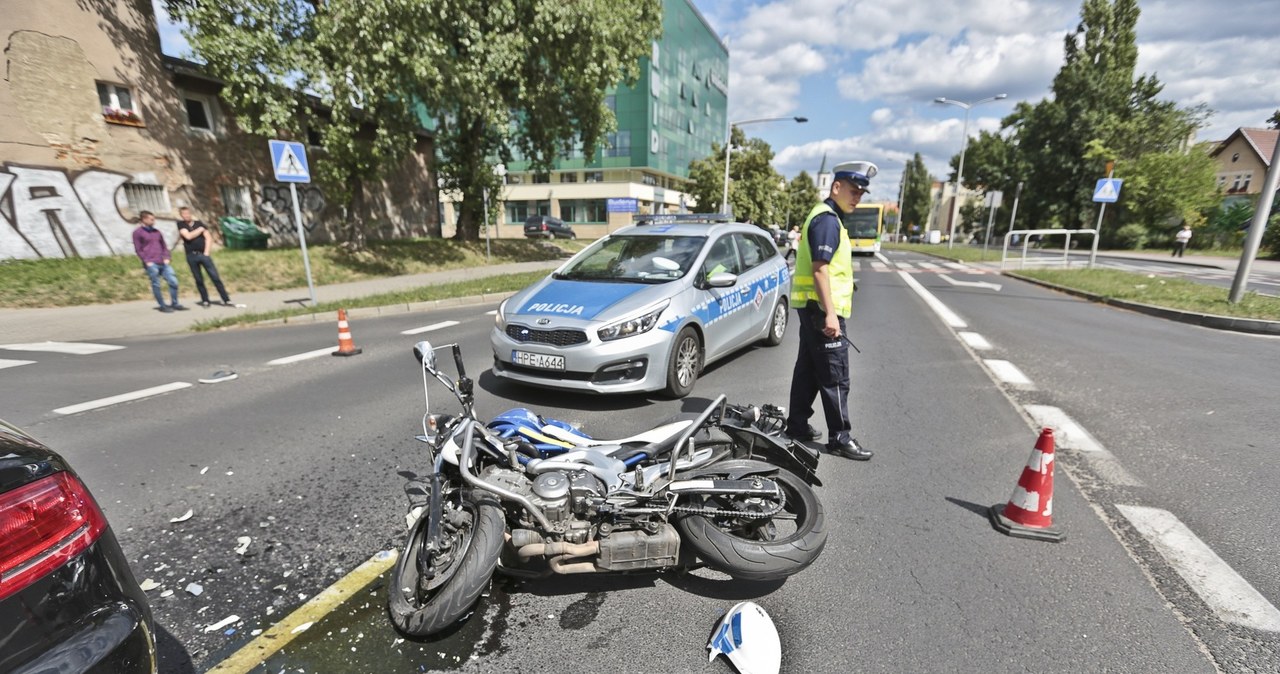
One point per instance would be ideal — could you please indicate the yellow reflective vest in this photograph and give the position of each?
(839, 269)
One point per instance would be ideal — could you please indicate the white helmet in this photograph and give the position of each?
(748, 638)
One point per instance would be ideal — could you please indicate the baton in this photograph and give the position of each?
(850, 342)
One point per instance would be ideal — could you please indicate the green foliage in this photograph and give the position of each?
(1132, 235)
(754, 186)
(1227, 225)
(499, 76)
(1273, 122)
(1271, 237)
(799, 198)
(1164, 189)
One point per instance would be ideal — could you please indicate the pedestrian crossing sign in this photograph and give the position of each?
(1107, 191)
(289, 160)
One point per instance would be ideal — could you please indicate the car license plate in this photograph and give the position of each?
(538, 360)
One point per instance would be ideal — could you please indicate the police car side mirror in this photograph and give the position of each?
(721, 280)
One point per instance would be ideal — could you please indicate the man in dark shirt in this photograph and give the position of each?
(149, 244)
(196, 240)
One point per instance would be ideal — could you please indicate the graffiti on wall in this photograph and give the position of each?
(45, 213)
(276, 209)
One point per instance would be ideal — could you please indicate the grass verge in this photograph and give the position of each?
(106, 280)
(482, 286)
(1171, 293)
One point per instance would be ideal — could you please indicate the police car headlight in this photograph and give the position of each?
(632, 326)
(499, 318)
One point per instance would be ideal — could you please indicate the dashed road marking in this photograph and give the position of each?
(263, 646)
(975, 341)
(123, 398)
(1010, 374)
(1070, 435)
(1229, 595)
(76, 348)
(13, 363)
(947, 315)
(429, 328)
(303, 356)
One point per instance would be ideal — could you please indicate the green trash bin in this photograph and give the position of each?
(241, 234)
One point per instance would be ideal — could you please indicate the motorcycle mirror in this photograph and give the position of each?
(425, 355)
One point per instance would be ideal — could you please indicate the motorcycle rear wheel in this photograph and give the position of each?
(420, 607)
(746, 549)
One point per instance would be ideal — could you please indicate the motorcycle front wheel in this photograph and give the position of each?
(419, 605)
(751, 548)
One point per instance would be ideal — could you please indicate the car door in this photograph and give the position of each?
(757, 283)
(724, 321)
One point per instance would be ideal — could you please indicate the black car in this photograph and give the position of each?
(547, 227)
(68, 601)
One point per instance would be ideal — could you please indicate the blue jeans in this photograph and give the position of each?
(154, 271)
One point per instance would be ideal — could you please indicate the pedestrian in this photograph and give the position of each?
(1180, 240)
(198, 243)
(822, 292)
(793, 237)
(149, 244)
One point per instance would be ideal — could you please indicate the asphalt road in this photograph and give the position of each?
(305, 459)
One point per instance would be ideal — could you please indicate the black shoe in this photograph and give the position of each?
(204, 303)
(166, 310)
(177, 307)
(809, 434)
(850, 450)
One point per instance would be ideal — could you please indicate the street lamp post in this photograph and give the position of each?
(728, 137)
(951, 228)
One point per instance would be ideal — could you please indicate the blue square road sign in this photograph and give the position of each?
(289, 161)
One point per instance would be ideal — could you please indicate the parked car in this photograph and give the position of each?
(547, 227)
(68, 601)
(645, 308)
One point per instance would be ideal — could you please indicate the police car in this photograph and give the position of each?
(646, 308)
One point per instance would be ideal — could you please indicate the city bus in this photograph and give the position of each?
(866, 226)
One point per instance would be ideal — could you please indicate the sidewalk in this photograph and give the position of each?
(135, 319)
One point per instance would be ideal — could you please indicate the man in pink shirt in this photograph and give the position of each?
(149, 244)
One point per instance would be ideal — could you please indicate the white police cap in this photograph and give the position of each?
(746, 636)
(860, 172)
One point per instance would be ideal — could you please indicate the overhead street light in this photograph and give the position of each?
(951, 229)
(728, 135)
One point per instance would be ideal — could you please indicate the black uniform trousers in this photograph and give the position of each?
(822, 369)
(197, 260)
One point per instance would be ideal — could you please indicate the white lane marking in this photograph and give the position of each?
(930, 266)
(303, 356)
(1070, 435)
(429, 328)
(958, 266)
(971, 284)
(1009, 373)
(1229, 595)
(879, 266)
(948, 316)
(491, 313)
(13, 363)
(123, 398)
(880, 256)
(974, 340)
(77, 348)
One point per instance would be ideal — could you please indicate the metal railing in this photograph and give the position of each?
(1026, 234)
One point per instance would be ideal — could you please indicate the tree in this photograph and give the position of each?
(753, 183)
(917, 189)
(799, 199)
(495, 79)
(1273, 122)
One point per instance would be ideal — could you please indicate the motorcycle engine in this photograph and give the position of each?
(561, 494)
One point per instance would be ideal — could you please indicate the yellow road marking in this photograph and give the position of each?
(280, 634)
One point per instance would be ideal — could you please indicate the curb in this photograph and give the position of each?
(1231, 323)
(384, 310)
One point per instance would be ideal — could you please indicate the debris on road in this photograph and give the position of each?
(229, 620)
(243, 544)
(183, 517)
(302, 628)
(148, 585)
(195, 589)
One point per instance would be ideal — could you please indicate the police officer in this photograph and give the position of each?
(822, 292)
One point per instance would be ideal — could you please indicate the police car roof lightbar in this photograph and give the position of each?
(681, 218)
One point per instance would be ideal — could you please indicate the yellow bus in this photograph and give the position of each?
(866, 226)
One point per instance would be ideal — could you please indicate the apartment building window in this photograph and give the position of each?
(236, 201)
(517, 212)
(569, 177)
(314, 140)
(619, 144)
(594, 176)
(142, 197)
(649, 180)
(584, 210)
(117, 104)
(200, 115)
(1235, 185)
(514, 179)
(541, 179)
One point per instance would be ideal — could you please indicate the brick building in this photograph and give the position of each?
(97, 125)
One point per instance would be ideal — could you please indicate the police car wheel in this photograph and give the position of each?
(777, 324)
(685, 363)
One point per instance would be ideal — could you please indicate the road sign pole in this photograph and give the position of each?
(486, 227)
(302, 239)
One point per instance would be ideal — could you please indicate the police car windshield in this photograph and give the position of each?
(637, 259)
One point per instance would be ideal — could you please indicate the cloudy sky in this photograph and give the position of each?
(865, 72)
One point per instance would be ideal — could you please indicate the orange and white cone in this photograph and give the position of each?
(346, 346)
(1029, 512)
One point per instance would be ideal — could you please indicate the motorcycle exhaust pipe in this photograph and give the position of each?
(560, 553)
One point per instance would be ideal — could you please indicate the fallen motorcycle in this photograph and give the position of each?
(532, 497)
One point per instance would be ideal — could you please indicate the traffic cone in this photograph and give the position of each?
(346, 347)
(1029, 513)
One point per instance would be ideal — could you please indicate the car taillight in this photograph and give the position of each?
(42, 525)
